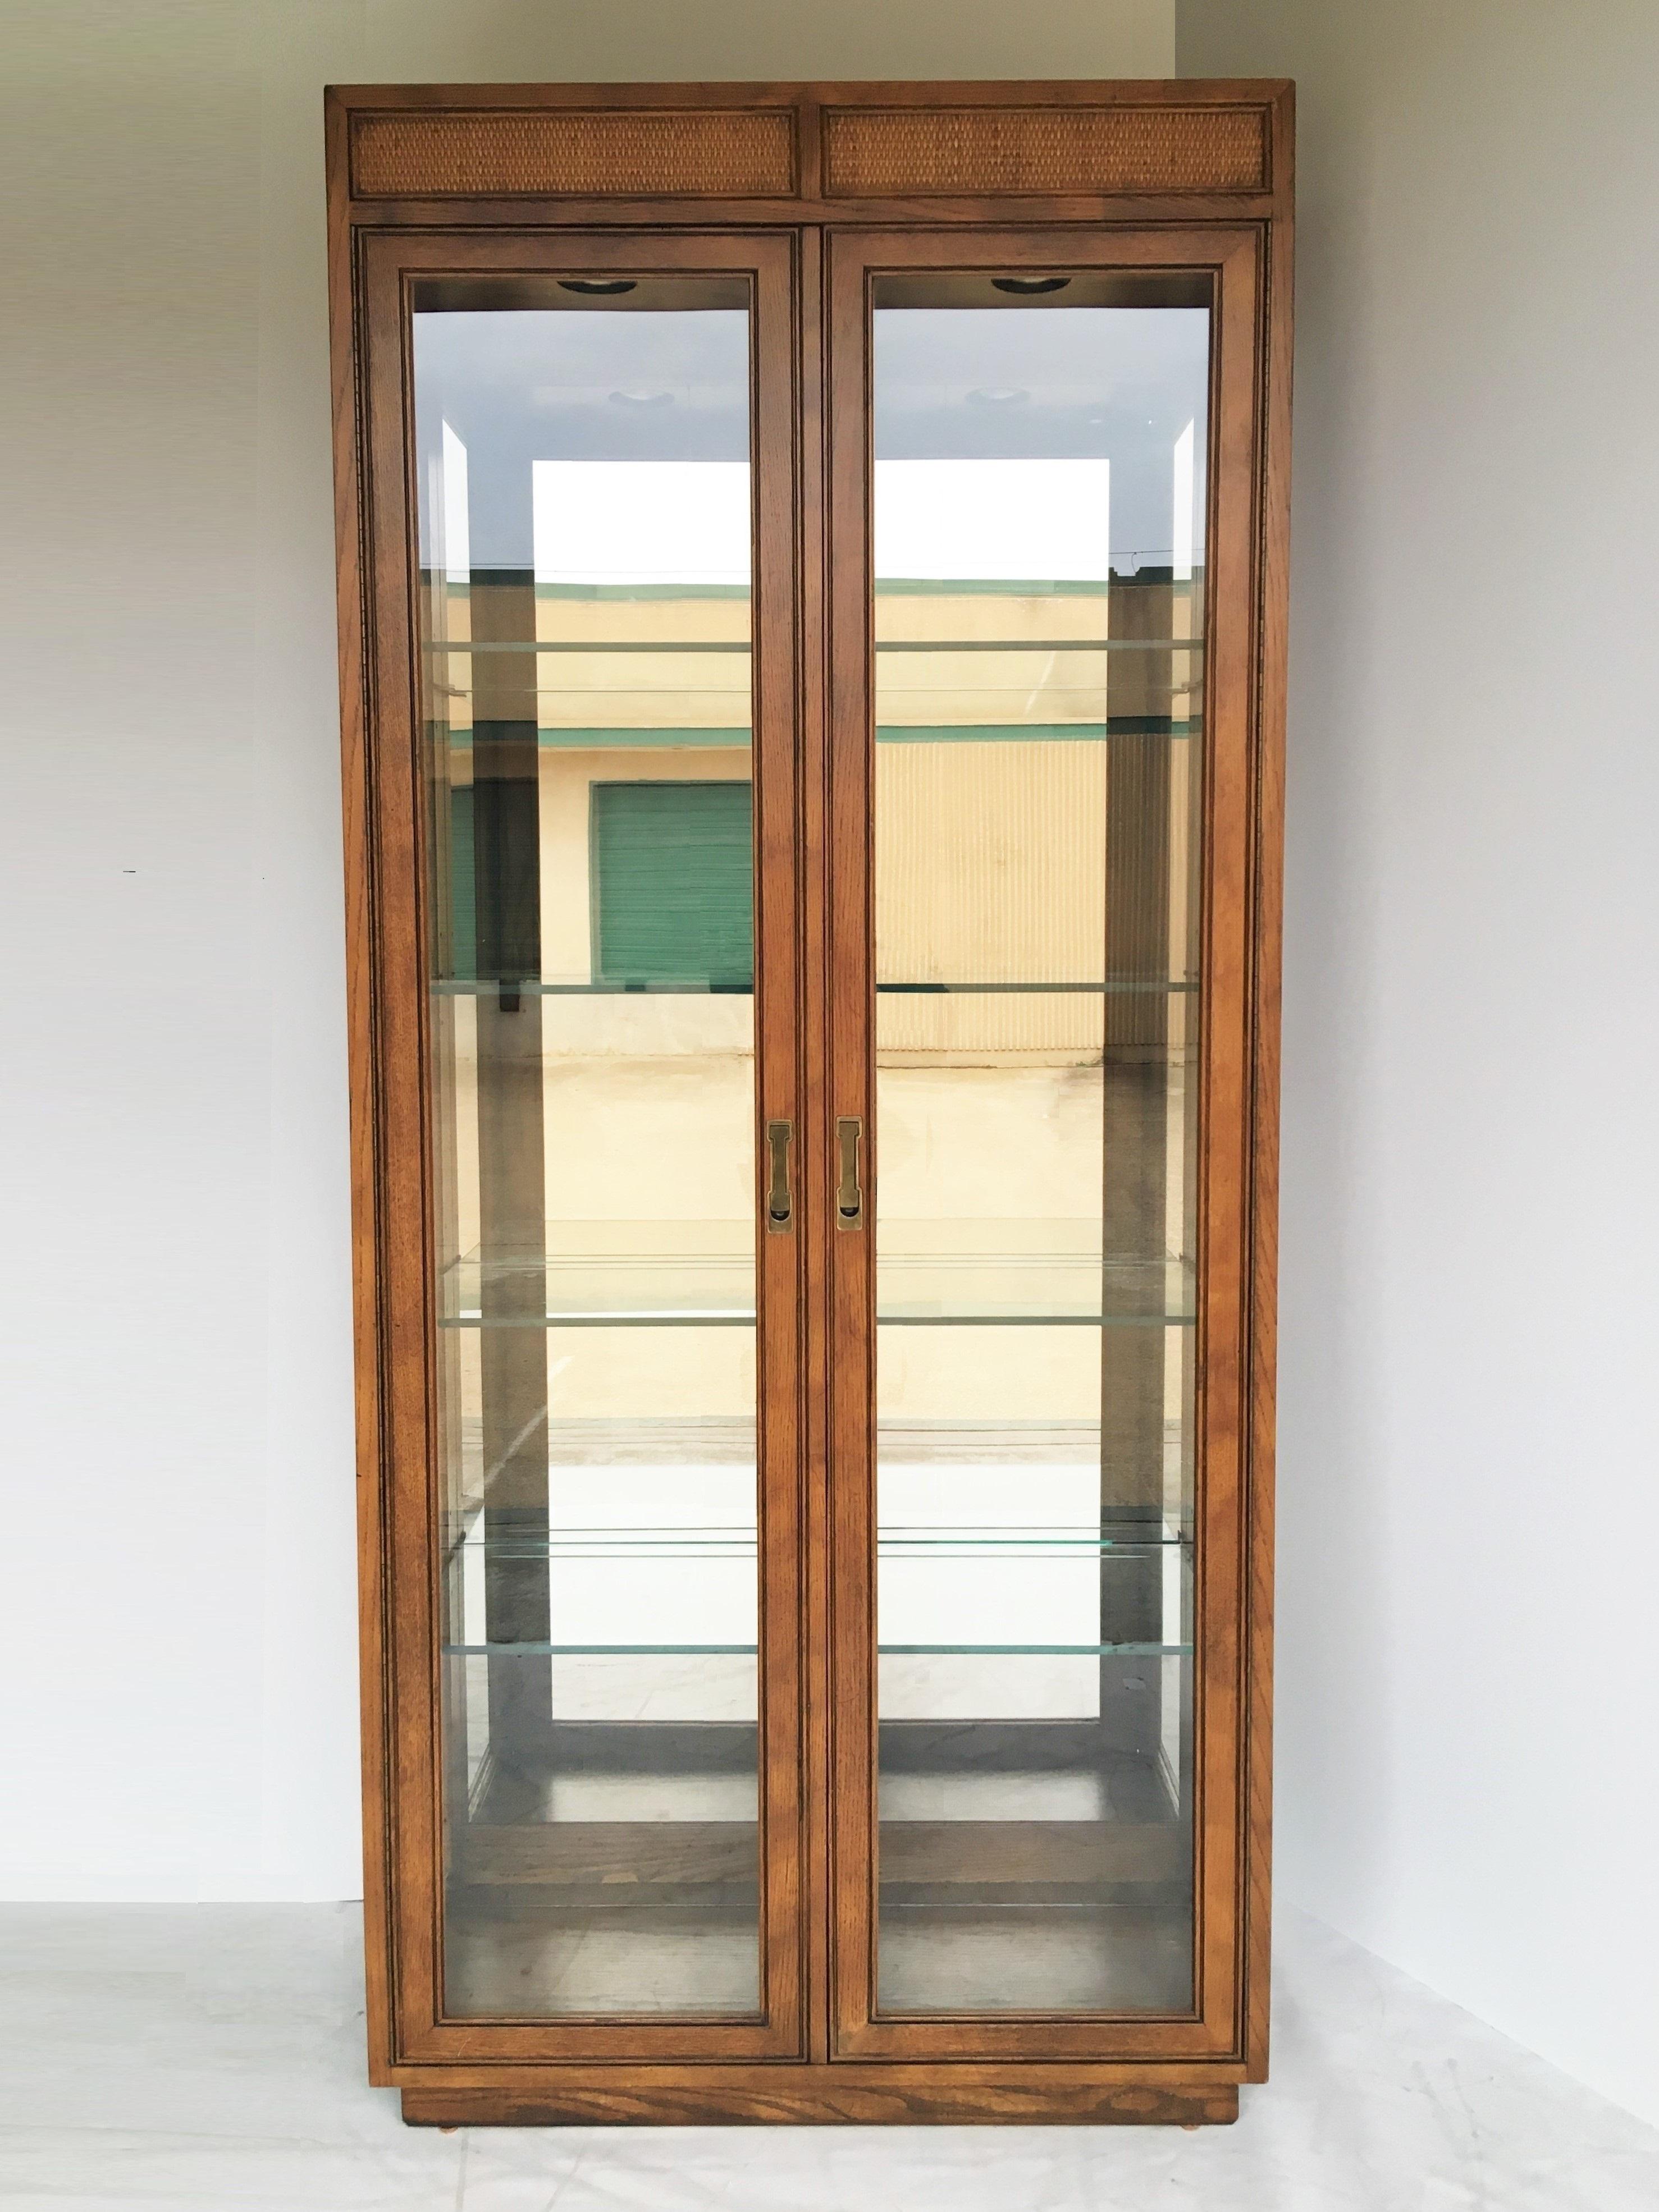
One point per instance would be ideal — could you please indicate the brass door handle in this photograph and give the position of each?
(780, 1207)
(849, 1191)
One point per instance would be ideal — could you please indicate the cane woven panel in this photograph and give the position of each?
(512, 152)
(875, 153)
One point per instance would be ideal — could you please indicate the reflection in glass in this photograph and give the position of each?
(1038, 534)
(585, 628)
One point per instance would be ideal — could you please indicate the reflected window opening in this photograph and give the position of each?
(584, 635)
(1037, 539)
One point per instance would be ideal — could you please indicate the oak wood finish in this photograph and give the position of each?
(805, 190)
(1233, 257)
(897, 2096)
(389, 265)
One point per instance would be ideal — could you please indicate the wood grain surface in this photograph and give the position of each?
(803, 192)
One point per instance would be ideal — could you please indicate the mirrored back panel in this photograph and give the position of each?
(1037, 506)
(585, 490)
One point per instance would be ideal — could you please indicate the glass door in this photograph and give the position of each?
(602, 631)
(1032, 1470)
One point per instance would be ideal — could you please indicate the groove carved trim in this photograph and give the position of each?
(510, 152)
(876, 153)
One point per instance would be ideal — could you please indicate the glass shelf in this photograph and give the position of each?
(1119, 986)
(625, 646)
(607, 1317)
(463, 986)
(934, 1543)
(609, 1274)
(633, 709)
(1029, 1274)
(537, 1651)
(976, 1275)
(1040, 644)
(1002, 1319)
(743, 1317)
(1034, 1650)
(468, 987)
(1022, 1543)
(956, 718)
(1032, 694)
(628, 647)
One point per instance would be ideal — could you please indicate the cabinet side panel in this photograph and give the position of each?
(1268, 919)
(359, 1014)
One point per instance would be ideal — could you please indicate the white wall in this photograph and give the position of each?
(1468, 1676)
(177, 1639)
(1469, 1681)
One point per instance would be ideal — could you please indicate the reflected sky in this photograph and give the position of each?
(522, 385)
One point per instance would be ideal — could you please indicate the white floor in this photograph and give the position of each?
(157, 2056)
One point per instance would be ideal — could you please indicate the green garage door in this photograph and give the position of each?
(673, 877)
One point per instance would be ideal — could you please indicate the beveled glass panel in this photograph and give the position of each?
(1038, 511)
(584, 483)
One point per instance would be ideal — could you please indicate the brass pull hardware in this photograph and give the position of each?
(779, 1208)
(849, 1194)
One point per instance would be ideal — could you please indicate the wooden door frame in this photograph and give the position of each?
(401, 1603)
(1231, 261)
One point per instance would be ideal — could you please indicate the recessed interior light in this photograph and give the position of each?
(1027, 286)
(599, 288)
(637, 396)
(998, 395)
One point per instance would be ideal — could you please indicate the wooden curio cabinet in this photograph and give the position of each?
(812, 568)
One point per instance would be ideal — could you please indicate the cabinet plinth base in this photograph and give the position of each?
(829, 2096)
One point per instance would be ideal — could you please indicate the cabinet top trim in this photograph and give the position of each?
(575, 153)
(839, 144)
(885, 153)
